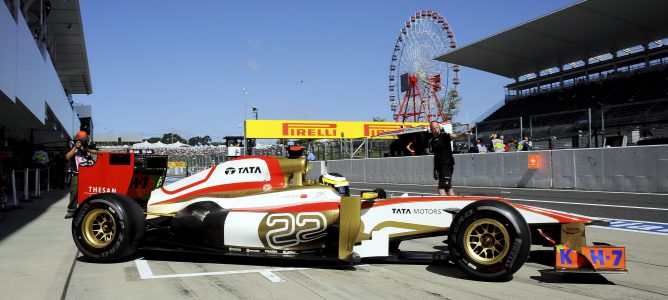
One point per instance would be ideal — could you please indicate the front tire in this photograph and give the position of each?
(108, 227)
(489, 240)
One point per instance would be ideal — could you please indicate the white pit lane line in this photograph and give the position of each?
(615, 224)
(145, 272)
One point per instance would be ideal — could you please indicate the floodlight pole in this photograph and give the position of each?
(245, 118)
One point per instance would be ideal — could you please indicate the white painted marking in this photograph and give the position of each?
(589, 204)
(271, 276)
(145, 272)
(143, 268)
(636, 221)
(630, 230)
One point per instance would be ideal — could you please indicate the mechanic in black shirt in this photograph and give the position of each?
(444, 163)
(79, 154)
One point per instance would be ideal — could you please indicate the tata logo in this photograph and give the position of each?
(404, 211)
(243, 170)
(309, 129)
(376, 129)
(249, 170)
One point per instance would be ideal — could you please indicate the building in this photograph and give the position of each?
(43, 63)
(592, 74)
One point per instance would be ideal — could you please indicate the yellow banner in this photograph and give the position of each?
(173, 164)
(296, 129)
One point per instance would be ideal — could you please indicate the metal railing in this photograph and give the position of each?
(584, 128)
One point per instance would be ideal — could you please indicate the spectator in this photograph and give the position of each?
(480, 147)
(511, 146)
(497, 143)
(79, 154)
(525, 144)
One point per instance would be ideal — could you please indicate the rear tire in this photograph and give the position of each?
(489, 240)
(108, 227)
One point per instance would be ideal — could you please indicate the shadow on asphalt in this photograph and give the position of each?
(16, 219)
(549, 276)
(449, 270)
(547, 258)
(198, 257)
(542, 257)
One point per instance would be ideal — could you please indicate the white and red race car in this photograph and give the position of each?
(262, 206)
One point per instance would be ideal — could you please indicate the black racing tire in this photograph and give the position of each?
(108, 227)
(489, 240)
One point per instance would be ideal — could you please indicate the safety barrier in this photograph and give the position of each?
(23, 181)
(627, 169)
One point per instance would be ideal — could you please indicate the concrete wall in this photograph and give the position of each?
(630, 169)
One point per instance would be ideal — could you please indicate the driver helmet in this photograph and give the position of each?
(336, 181)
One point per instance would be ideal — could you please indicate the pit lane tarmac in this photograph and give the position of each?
(169, 275)
(39, 261)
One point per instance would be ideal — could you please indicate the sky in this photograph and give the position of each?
(181, 66)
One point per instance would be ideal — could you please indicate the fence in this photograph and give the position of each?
(343, 149)
(608, 125)
(190, 164)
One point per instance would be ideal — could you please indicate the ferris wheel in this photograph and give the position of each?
(421, 88)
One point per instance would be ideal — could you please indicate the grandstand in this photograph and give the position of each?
(588, 75)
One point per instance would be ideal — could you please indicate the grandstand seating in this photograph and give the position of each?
(620, 103)
(614, 90)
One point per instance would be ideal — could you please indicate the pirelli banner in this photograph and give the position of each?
(294, 129)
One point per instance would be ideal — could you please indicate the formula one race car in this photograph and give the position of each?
(263, 206)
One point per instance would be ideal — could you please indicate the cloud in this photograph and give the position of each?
(253, 65)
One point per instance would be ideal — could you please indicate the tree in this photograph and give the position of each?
(153, 140)
(169, 138)
(453, 102)
(378, 119)
(201, 140)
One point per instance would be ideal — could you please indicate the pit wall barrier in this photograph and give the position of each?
(627, 169)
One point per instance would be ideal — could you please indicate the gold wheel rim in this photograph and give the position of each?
(99, 228)
(486, 241)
